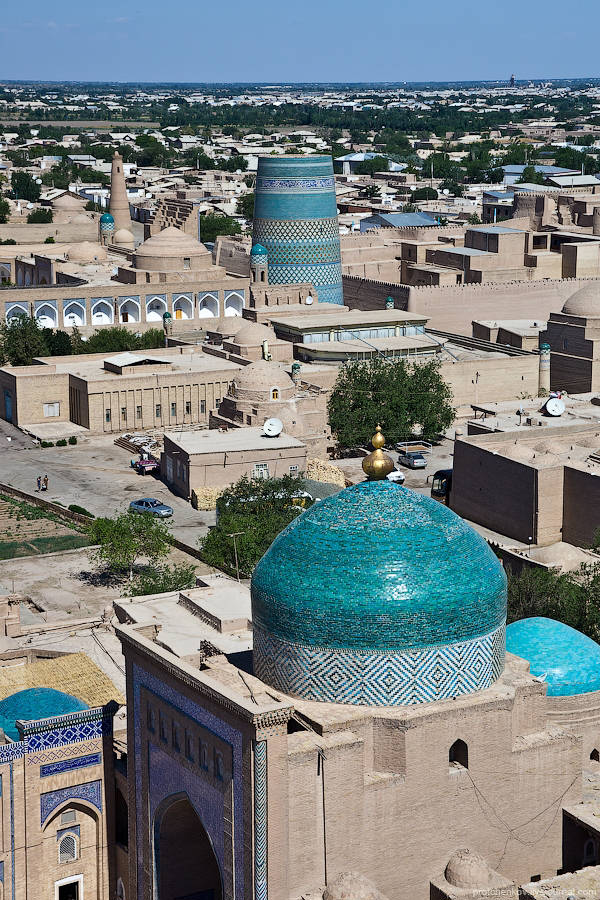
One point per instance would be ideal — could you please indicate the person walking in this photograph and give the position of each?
(39, 482)
(45, 483)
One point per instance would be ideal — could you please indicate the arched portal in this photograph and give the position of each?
(102, 313)
(233, 305)
(208, 307)
(74, 314)
(183, 308)
(185, 862)
(156, 307)
(46, 316)
(129, 310)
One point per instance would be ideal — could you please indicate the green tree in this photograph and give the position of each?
(405, 398)
(160, 579)
(126, 539)
(4, 211)
(425, 193)
(569, 597)
(255, 510)
(245, 206)
(41, 216)
(370, 166)
(474, 219)
(371, 192)
(530, 176)
(21, 341)
(212, 225)
(25, 187)
(58, 342)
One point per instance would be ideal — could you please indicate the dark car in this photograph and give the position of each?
(152, 506)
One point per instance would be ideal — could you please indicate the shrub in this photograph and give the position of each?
(47, 444)
(41, 216)
(160, 579)
(72, 439)
(73, 507)
(61, 443)
(49, 240)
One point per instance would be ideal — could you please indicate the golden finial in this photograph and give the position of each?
(377, 465)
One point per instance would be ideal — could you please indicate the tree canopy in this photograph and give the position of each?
(245, 206)
(124, 540)
(212, 225)
(255, 510)
(405, 398)
(21, 340)
(25, 187)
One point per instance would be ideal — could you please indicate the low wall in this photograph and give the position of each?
(44, 504)
(67, 233)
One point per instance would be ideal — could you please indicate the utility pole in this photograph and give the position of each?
(235, 535)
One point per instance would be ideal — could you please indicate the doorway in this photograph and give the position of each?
(69, 888)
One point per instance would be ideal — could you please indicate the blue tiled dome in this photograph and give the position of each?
(569, 659)
(35, 703)
(389, 582)
(259, 250)
(106, 219)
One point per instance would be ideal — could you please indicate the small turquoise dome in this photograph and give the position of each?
(569, 659)
(380, 574)
(259, 250)
(106, 219)
(33, 704)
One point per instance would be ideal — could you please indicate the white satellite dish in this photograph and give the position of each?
(30, 206)
(445, 192)
(309, 300)
(272, 427)
(555, 406)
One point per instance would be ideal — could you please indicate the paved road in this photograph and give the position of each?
(96, 475)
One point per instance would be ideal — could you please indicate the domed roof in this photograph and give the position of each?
(466, 869)
(171, 241)
(35, 703)
(381, 571)
(123, 236)
(351, 886)
(67, 201)
(253, 333)
(569, 659)
(584, 302)
(259, 250)
(262, 375)
(106, 219)
(85, 251)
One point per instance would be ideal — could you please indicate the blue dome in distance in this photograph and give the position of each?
(381, 596)
(259, 250)
(106, 219)
(35, 703)
(569, 660)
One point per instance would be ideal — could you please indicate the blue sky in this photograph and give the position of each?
(284, 40)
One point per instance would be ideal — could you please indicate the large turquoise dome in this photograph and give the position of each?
(381, 596)
(568, 659)
(35, 703)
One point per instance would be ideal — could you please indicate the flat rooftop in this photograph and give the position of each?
(344, 320)
(410, 343)
(215, 441)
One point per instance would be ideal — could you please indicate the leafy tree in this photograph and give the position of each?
(256, 510)
(425, 193)
(58, 342)
(40, 217)
(21, 341)
(232, 163)
(530, 176)
(371, 192)
(160, 579)
(25, 187)
(474, 219)
(129, 537)
(403, 397)
(4, 211)
(245, 206)
(369, 166)
(212, 225)
(116, 339)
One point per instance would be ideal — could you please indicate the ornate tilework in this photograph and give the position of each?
(67, 765)
(260, 821)
(91, 791)
(57, 753)
(367, 678)
(8, 752)
(295, 185)
(71, 829)
(297, 230)
(57, 737)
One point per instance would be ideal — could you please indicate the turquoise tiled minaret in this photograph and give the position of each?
(295, 219)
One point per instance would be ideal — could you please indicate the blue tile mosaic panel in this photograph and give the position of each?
(90, 791)
(68, 765)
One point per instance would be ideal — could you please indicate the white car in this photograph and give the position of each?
(396, 477)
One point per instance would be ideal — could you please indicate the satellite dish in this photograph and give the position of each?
(309, 300)
(272, 427)
(445, 192)
(555, 406)
(30, 206)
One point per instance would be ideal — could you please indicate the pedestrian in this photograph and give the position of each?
(39, 482)
(45, 483)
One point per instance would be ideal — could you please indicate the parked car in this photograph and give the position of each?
(396, 476)
(412, 459)
(152, 506)
(143, 466)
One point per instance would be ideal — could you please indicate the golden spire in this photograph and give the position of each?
(377, 465)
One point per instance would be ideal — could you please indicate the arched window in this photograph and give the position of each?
(459, 754)
(67, 849)
(275, 393)
(595, 755)
(120, 890)
(589, 852)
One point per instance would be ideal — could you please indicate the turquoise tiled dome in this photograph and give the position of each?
(385, 581)
(569, 660)
(259, 250)
(35, 703)
(106, 219)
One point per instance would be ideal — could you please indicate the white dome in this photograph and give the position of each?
(585, 302)
(262, 375)
(253, 333)
(466, 869)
